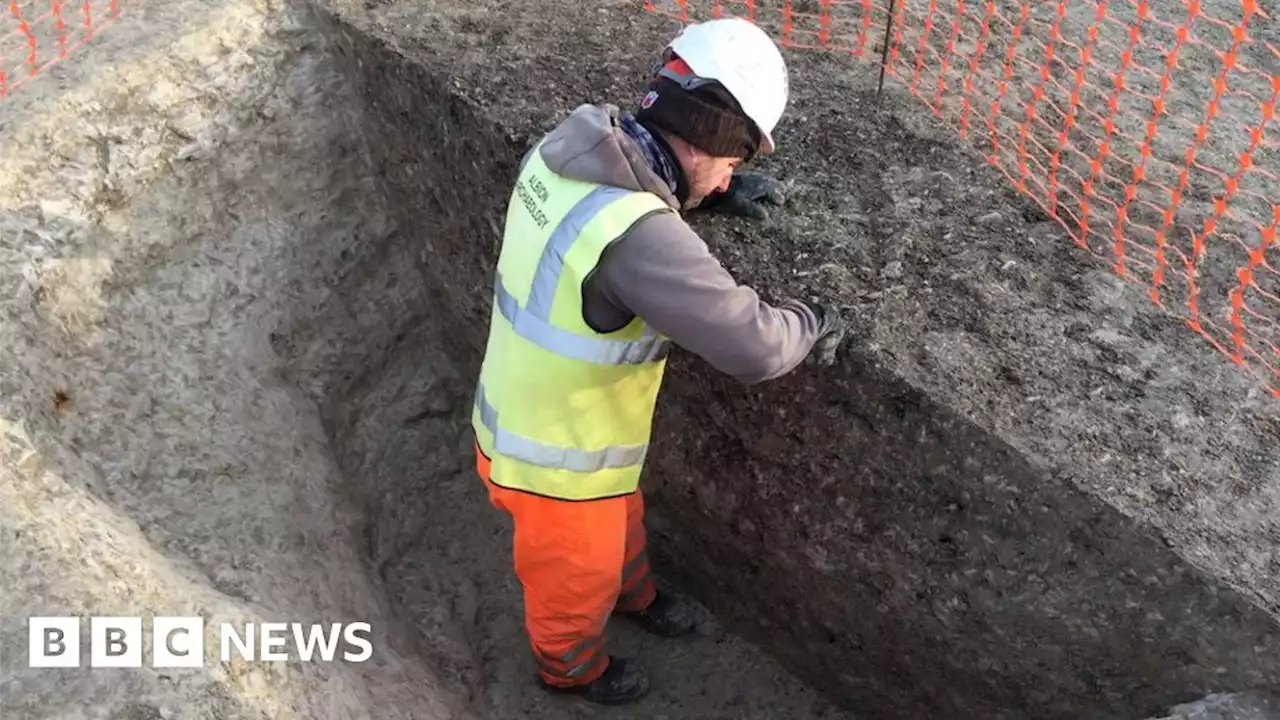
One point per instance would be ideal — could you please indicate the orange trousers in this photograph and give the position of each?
(577, 562)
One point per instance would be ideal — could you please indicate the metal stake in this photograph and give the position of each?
(884, 49)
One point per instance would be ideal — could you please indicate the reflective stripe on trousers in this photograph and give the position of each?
(574, 663)
(570, 559)
(637, 589)
(533, 324)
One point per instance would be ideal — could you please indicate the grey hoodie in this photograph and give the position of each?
(664, 273)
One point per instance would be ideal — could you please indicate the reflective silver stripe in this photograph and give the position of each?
(603, 351)
(547, 276)
(537, 453)
(586, 644)
(580, 668)
(591, 646)
(629, 570)
(533, 324)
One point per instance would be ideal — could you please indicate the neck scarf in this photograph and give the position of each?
(656, 154)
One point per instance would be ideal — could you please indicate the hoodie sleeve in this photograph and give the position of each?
(664, 273)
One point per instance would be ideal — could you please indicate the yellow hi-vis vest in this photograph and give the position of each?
(562, 410)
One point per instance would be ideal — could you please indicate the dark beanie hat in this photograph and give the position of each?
(706, 117)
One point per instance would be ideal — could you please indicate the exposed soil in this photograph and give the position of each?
(247, 300)
(999, 386)
(197, 262)
(1171, 53)
(187, 184)
(445, 557)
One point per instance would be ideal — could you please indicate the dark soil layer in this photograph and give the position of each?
(1020, 494)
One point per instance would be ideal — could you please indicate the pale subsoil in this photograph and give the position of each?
(182, 188)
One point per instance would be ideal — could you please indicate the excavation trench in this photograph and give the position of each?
(1020, 494)
(964, 518)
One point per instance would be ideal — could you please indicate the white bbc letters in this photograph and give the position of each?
(115, 642)
(53, 642)
(178, 642)
(271, 640)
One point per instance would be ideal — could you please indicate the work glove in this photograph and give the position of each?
(747, 196)
(831, 329)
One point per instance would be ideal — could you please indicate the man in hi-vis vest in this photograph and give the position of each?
(598, 277)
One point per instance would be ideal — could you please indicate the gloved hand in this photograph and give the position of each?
(831, 329)
(747, 195)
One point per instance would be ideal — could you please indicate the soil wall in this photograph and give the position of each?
(176, 200)
(1020, 493)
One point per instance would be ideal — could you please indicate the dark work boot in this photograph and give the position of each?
(667, 616)
(624, 681)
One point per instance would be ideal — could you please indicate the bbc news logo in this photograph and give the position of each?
(179, 642)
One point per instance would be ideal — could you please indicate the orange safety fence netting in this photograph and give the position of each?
(37, 34)
(1144, 127)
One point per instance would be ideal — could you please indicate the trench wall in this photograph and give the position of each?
(908, 530)
(178, 202)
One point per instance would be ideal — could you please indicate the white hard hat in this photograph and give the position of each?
(742, 58)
